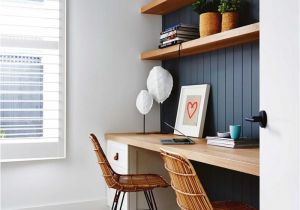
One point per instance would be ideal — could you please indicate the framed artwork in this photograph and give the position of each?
(192, 110)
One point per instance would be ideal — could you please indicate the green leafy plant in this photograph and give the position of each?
(202, 6)
(229, 6)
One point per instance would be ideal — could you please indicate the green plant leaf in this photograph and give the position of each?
(202, 6)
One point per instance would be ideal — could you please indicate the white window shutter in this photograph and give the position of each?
(32, 79)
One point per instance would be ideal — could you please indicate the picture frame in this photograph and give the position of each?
(191, 110)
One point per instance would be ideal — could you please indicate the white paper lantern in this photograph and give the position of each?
(159, 84)
(144, 102)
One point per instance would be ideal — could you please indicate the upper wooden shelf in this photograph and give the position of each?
(242, 160)
(162, 7)
(229, 38)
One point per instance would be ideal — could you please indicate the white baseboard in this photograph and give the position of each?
(80, 205)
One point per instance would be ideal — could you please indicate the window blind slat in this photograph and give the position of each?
(31, 70)
(27, 119)
(24, 82)
(28, 26)
(28, 129)
(29, 134)
(26, 73)
(27, 101)
(23, 16)
(33, 53)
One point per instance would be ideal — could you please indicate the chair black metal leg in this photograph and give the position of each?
(122, 200)
(116, 200)
(148, 199)
(146, 196)
(113, 204)
(153, 199)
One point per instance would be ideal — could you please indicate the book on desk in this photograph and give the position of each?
(231, 143)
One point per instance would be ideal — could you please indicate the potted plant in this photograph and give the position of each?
(229, 10)
(210, 19)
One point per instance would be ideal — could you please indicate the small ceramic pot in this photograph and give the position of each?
(209, 23)
(229, 20)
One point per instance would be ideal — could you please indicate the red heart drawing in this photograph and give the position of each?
(191, 108)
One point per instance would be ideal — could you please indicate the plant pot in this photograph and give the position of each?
(229, 20)
(210, 23)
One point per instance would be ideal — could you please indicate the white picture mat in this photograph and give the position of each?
(193, 131)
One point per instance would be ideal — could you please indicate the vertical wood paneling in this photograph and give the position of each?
(221, 91)
(206, 80)
(229, 87)
(238, 85)
(237, 187)
(201, 69)
(214, 91)
(184, 64)
(233, 74)
(207, 67)
(247, 92)
(255, 86)
(224, 184)
(194, 72)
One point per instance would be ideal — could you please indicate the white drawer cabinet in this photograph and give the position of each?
(117, 154)
(120, 158)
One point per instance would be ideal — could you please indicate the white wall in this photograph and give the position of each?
(104, 77)
(279, 96)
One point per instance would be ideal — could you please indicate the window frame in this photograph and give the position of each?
(56, 149)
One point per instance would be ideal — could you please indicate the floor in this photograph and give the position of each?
(89, 205)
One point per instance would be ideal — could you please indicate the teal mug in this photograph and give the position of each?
(235, 131)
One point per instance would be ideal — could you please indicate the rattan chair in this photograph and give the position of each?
(188, 188)
(127, 183)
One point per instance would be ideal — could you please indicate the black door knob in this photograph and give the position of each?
(261, 119)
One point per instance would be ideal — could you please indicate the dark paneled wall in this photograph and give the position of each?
(224, 184)
(233, 74)
(249, 14)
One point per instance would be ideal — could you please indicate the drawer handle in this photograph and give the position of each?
(116, 157)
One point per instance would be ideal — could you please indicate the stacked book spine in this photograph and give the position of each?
(178, 34)
(231, 143)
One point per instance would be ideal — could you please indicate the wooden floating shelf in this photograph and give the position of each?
(233, 37)
(162, 7)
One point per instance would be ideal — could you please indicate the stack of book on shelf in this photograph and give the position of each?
(231, 143)
(178, 34)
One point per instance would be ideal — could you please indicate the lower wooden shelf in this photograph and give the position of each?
(229, 38)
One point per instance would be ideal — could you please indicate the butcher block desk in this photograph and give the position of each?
(139, 153)
(242, 160)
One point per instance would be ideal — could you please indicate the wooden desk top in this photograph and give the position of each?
(242, 160)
